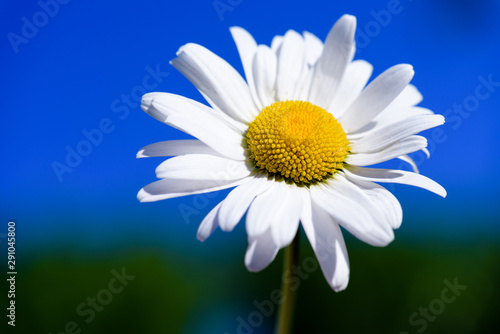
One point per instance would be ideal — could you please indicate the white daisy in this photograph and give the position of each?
(294, 140)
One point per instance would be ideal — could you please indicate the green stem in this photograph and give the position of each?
(285, 317)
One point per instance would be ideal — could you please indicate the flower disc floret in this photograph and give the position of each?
(297, 141)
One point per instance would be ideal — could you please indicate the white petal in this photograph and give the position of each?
(302, 92)
(395, 176)
(352, 209)
(406, 158)
(402, 107)
(246, 48)
(426, 152)
(285, 227)
(409, 97)
(276, 44)
(355, 78)
(388, 135)
(387, 118)
(237, 202)
(266, 209)
(265, 65)
(171, 188)
(220, 84)
(197, 120)
(261, 252)
(214, 135)
(202, 167)
(337, 53)
(396, 114)
(304, 83)
(172, 148)
(290, 64)
(384, 199)
(328, 244)
(147, 106)
(376, 96)
(208, 224)
(404, 146)
(154, 105)
(314, 47)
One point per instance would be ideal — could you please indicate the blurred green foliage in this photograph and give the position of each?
(184, 293)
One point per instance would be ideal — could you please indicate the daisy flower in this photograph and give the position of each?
(293, 140)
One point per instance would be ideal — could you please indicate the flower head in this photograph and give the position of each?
(294, 140)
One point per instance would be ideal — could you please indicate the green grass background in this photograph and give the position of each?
(192, 292)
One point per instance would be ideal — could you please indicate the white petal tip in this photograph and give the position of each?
(253, 263)
(226, 228)
(249, 265)
(203, 233)
(426, 152)
(407, 68)
(201, 238)
(236, 29)
(383, 241)
(397, 225)
(294, 33)
(410, 72)
(181, 50)
(146, 102)
(351, 19)
(337, 287)
(144, 197)
(404, 66)
(251, 269)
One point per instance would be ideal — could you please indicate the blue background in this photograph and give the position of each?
(75, 71)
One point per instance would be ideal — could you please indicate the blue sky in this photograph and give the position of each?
(73, 73)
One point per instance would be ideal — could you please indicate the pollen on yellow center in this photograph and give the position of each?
(297, 141)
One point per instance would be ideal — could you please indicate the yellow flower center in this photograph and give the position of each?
(297, 141)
